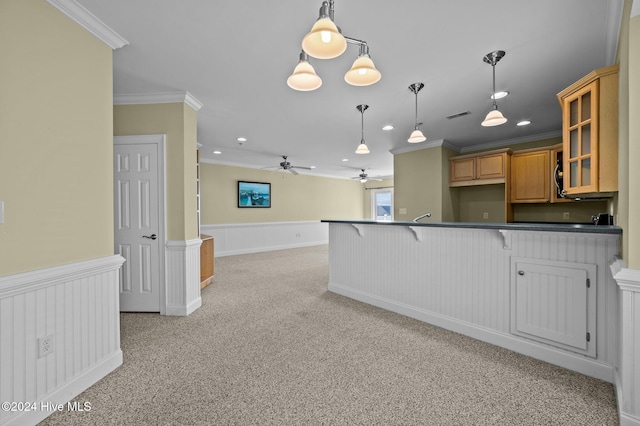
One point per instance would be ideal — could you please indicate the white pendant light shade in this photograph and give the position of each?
(494, 118)
(362, 148)
(363, 72)
(416, 136)
(324, 41)
(304, 77)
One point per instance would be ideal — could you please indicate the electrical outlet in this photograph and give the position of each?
(45, 345)
(485, 215)
(566, 216)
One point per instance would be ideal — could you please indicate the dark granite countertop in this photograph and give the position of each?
(546, 227)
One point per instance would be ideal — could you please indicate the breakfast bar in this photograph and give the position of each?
(543, 290)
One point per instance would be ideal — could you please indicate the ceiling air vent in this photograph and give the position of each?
(460, 114)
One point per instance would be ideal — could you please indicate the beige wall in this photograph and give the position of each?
(294, 198)
(418, 177)
(178, 122)
(56, 146)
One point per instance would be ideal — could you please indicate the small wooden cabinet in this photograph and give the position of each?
(590, 133)
(479, 169)
(206, 260)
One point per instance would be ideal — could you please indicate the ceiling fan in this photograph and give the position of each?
(365, 177)
(285, 165)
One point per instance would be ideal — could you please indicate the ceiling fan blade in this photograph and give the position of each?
(292, 171)
(302, 167)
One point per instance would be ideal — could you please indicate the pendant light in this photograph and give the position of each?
(363, 72)
(416, 136)
(494, 117)
(304, 77)
(362, 148)
(325, 41)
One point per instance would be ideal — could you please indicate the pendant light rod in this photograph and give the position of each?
(362, 148)
(416, 136)
(495, 117)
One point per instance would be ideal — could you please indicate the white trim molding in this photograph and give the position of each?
(87, 20)
(628, 369)
(157, 98)
(77, 307)
(182, 277)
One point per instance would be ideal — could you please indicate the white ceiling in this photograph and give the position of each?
(235, 56)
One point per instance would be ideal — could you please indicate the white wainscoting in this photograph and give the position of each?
(242, 238)
(628, 371)
(78, 306)
(459, 279)
(183, 277)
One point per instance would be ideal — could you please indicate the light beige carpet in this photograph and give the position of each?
(270, 346)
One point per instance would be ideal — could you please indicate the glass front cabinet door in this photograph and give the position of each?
(581, 159)
(590, 133)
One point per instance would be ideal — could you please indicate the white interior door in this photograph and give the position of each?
(138, 231)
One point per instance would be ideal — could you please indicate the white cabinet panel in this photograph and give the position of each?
(555, 303)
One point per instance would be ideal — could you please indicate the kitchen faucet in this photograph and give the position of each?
(421, 216)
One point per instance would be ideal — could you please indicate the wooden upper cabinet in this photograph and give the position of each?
(479, 169)
(590, 133)
(531, 176)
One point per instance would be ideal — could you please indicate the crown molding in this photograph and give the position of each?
(612, 30)
(89, 22)
(635, 8)
(514, 141)
(157, 98)
(424, 145)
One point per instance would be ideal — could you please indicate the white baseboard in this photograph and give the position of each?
(60, 397)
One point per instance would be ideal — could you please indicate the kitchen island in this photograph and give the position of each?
(543, 290)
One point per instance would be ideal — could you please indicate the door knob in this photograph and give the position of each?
(151, 237)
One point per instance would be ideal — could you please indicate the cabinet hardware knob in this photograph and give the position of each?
(520, 272)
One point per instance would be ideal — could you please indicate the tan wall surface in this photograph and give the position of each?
(56, 147)
(294, 198)
(177, 122)
(418, 184)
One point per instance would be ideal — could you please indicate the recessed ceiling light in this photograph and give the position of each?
(241, 139)
(388, 127)
(217, 152)
(345, 159)
(523, 123)
(499, 95)
(312, 167)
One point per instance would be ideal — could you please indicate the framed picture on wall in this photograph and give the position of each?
(254, 194)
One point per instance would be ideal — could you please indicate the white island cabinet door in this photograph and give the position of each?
(554, 303)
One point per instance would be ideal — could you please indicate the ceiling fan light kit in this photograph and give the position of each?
(325, 41)
(494, 117)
